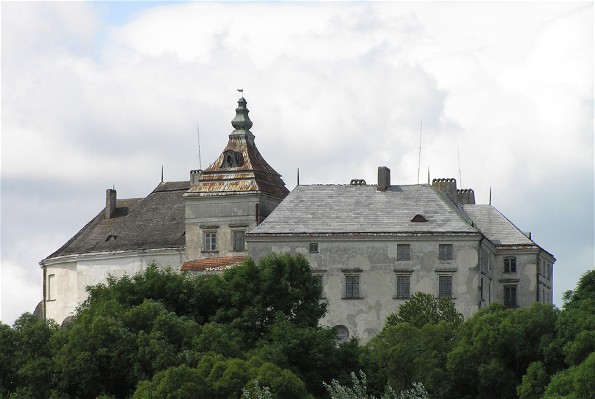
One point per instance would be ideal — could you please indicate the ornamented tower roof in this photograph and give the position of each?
(240, 168)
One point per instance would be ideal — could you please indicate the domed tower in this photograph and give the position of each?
(229, 198)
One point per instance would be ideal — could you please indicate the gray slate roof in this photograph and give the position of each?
(495, 226)
(341, 209)
(154, 222)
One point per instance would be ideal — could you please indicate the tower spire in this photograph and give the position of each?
(241, 122)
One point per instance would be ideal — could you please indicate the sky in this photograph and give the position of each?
(98, 95)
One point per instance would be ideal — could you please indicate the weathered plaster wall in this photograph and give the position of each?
(74, 274)
(223, 214)
(377, 260)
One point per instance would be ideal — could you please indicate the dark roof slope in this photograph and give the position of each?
(345, 209)
(154, 222)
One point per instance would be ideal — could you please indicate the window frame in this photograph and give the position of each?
(352, 286)
(51, 287)
(406, 254)
(208, 241)
(510, 264)
(235, 240)
(510, 301)
(445, 252)
(441, 292)
(313, 248)
(399, 294)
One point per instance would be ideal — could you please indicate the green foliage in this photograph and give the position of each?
(424, 308)
(257, 392)
(181, 382)
(495, 347)
(403, 354)
(359, 390)
(577, 382)
(280, 288)
(311, 353)
(253, 333)
(534, 382)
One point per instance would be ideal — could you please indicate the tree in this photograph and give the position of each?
(403, 354)
(495, 347)
(280, 287)
(534, 382)
(424, 308)
(181, 382)
(359, 390)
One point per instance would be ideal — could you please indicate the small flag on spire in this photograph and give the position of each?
(241, 90)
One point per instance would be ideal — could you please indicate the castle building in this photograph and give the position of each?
(372, 246)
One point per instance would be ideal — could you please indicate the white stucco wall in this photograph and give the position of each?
(375, 260)
(73, 274)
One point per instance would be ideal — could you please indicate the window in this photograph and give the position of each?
(481, 290)
(313, 249)
(403, 252)
(51, 295)
(510, 265)
(510, 296)
(239, 243)
(445, 252)
(342, 332)
(352, 286)
(210, 241)
(444, 286)
(403, 286)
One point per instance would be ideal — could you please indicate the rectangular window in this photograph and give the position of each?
(403, 286)
(445, 251)
(239, 244)
(510, 296)
(51, 287)
(403, 252)
(510, 265)
(444, 286)
(210, 241)
(481, 290)
(313, 249)
(352, 286)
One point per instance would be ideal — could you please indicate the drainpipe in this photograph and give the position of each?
(479, 273)
(43, 301)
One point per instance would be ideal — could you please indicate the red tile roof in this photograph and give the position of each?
(212, 264)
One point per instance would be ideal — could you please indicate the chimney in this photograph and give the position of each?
(383, 178)
(110, 202)
(195, 176)
(466, 196)
(447, 186)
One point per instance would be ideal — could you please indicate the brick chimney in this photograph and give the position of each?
(195, 176)
(466, 196)
(110, 202)
(447, 186)
(383, 178)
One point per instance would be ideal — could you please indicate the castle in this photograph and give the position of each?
(372, 246)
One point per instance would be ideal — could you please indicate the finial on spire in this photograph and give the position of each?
(241, 121)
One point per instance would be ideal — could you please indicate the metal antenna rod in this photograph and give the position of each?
(198, 134)
(460, 177)
(419, 157)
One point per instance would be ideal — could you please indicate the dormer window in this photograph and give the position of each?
(419, 219)
(232, 159)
